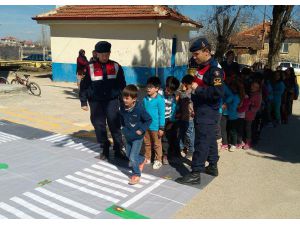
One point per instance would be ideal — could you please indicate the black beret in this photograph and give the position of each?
(102, 46)
(199, 44)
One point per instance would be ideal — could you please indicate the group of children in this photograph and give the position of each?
(253, 100)
(163, 120)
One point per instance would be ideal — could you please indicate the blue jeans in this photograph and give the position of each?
(133, 153)
(187, 135)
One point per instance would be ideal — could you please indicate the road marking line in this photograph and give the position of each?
(49, 137)
(56, 138)
(88, 145)
(9, 135)
(88, 191)
(90, 184)
(117, 173)
(69, 143)
(55, 206)
(3, 217)
(61, 139)
(104, 182)
(143, 193)
(167, 199)
(110, 177)
(34, 208)
(14, 211)
(68, 201)
(116, 168)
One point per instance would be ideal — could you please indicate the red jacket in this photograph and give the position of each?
(255, 103)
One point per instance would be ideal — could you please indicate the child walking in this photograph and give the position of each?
(186, 117)
(135, 121)
(155, 105)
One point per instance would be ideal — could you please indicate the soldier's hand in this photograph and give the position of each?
(138, 132)
(85, 108)
(194, 85)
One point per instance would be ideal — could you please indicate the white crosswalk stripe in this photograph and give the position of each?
(75, 143)
(34, 208)
(116, 168)
(2, 217)
(55, 206)
(49, 137)
(90, 184)
(102, 181)
(117, 173)
(14, 211)
(68, 201)
(110, 177)
(9, 137)
(88, 191)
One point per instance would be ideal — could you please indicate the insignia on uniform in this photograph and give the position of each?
(203, 45)
(217, 81)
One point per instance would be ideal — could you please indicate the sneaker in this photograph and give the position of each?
(134, 180)
(246, 146)
(240, 146)
(189, 155)
(141, 166)
(232, 148)
(157, 164)
(224, 147)
(147, 161)
(165, 160)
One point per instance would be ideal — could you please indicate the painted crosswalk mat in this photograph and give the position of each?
(53, 176)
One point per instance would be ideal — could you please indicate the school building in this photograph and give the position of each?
(146, 40)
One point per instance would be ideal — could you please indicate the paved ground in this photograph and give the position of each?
(260, 183)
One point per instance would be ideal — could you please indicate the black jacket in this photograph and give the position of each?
(104, 89)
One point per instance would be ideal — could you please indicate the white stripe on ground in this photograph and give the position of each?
(7, 138)
(4, 140)
(60, 138)
(2, 217)
(34, 208)
(49, 137)
(117, 173)
(69, 143)
(88, 191)
(105, 182)
(68, 201)
(14, 211)
(116, 168)
(90, 184)
(10, 135)
(110, 177)
(143, 193)
(55, 206)
(167, 199)
(87, 144)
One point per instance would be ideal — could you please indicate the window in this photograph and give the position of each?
(286, 65)
(284, 48)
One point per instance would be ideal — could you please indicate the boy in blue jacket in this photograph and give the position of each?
(135, 121)
(155, 106)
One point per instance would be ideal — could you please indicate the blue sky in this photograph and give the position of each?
(16, 20)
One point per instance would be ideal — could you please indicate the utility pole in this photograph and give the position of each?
(43, 42)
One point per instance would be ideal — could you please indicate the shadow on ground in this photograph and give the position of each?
(280, 143)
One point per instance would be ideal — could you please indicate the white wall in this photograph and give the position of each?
(132, 44)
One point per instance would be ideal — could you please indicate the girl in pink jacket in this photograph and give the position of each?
(255, 103)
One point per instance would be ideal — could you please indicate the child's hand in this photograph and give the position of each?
(194, 85)
(160, 133)
(138, 132)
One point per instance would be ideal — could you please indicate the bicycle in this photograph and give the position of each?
(3, 80)
(33, 87)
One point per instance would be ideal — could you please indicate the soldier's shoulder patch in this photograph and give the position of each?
(217, 81)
